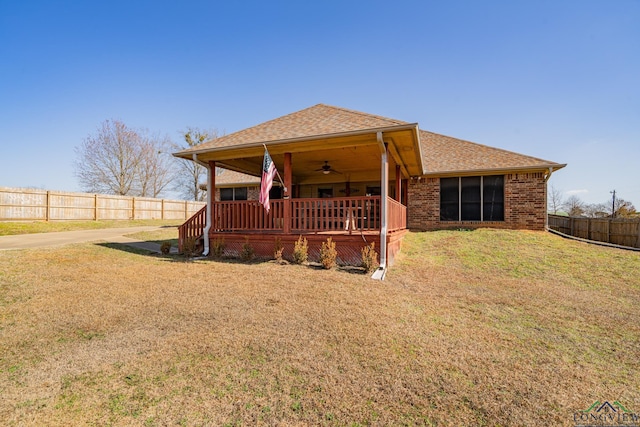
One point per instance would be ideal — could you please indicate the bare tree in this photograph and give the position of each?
(191, 175)
(554, 197)
(574, 206)
(624, 208)
(596, 210)
(108, 162)
(157, 168)
(120, 160)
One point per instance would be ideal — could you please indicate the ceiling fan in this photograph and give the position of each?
(326, 168)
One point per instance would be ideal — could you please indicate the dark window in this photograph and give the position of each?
(493, 198)
(472, 198)
(239, 193)
(275, 193)
(373, 191)
(325, 192)
(226, 194)
(449, 195)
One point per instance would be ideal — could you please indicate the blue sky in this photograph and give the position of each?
(556, 79)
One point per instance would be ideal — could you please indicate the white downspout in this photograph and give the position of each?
(384, 184)
(546, 218)
(207, 227)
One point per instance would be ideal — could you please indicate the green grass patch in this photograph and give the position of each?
(29, 227)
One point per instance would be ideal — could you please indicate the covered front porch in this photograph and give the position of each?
(349, 184)
(351, 222)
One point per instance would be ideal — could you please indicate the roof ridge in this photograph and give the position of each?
(361, 113)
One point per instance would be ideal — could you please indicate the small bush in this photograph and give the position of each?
(189, 247)
(369, 257)
(165, 248)
(278, 249)
(328, 254)
(217, 247)
(300, 251)
(247, 251)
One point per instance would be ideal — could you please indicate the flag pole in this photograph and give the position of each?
(281, 181)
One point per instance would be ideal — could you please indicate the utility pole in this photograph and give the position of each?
(613, 204)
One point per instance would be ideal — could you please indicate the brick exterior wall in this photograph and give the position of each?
(525, 204)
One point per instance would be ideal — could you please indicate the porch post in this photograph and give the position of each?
(286, 229)
(384, 191)
(211, 198)
(398, 184)
(212, 180)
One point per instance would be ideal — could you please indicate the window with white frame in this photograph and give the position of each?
(472, 198)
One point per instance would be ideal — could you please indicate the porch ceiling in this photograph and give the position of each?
(354, 156)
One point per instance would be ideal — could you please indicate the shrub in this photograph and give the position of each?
(300, 251)
(217, 247)
(189, 247)
(165, 248)
(369, 257)
(278, 249)
(247, 251)
(328, 254)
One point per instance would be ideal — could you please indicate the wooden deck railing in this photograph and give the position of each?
(335, 214)
(338, 214)
(247, 215)
(397, 215)
(193, 227)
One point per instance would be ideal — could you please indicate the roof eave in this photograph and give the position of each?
(503, 170)
(188, 154)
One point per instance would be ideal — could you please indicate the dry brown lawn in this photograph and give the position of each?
(470, 328)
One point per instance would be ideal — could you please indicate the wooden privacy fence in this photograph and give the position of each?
(618, 231)
(19, 204)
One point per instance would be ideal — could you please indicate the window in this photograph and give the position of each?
(275, 193)
(373, 191)
(472, 198)
(239, 193)
(325, 192)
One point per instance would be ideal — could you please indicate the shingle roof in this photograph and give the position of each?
(320, 119)
(443, 154)
(440, 153)
(230, 178)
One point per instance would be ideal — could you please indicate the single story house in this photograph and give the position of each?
(360, 178)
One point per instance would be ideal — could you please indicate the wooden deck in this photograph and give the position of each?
(352, 222)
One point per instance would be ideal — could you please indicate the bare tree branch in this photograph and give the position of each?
(191, 176)
(108, 161)
(119, 160)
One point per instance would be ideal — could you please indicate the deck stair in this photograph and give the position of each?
(193, 228)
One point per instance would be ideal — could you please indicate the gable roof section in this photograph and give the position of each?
(443, 155)
(439, 154)
(318, 120)
(231, 178)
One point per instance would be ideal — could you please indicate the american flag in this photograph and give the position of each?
(268, 173)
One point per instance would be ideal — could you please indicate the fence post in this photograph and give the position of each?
(162, 209)
(133, 208)
(95, 207)
(638, 241)
(571, 226)
(608, 230)
(588, 228)
(47, 212)
(186, 214)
